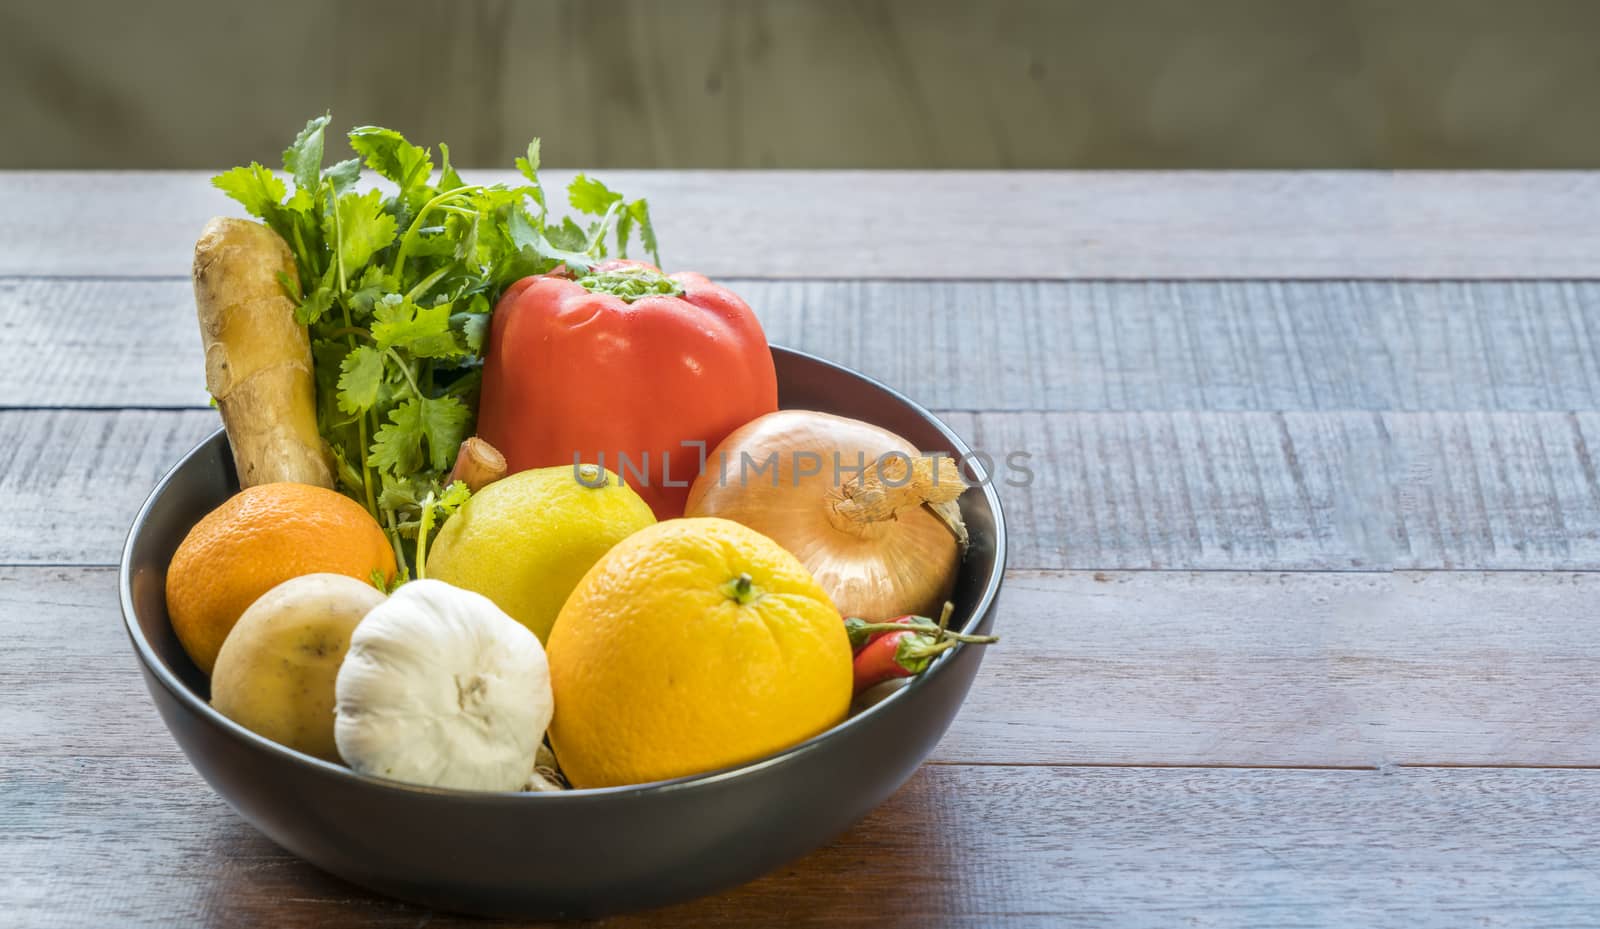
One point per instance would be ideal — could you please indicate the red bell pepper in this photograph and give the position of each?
(625, 367)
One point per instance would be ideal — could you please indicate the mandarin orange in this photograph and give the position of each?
(261, 537)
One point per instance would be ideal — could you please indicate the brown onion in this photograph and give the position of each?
(882, 542)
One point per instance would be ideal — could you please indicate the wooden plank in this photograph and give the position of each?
(1162, 668)
(74, 480)
(1298, 491)
(909, 224)
(1363, 670)
(101, 343)
(1237, 491)
(958, 846)
(991, 345)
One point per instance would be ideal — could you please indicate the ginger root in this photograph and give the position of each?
(258, 358)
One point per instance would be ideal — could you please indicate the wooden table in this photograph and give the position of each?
(1301, 622)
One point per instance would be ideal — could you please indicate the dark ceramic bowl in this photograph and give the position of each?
(581, 852)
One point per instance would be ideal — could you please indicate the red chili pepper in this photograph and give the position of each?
(885, 651)
(862, 632)
(896, 654)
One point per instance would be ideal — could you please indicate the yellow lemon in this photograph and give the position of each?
(526, 540)
(693, 645)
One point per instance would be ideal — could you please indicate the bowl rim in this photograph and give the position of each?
(154, 666)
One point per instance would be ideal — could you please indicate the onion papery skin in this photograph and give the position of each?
(876, 570)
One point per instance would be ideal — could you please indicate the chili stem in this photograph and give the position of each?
(875, 628)
(930, 650)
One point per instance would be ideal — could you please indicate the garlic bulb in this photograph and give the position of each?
(872, 518)
(546, 776)
(442, 688)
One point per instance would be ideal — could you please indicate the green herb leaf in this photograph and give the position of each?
(474, 323)
(257, 189)
(424, 332)
(364, 229)
(440, 425)
(343, 175)
(639, 211)
(465, 233)
(303, 158)
(448, 178)
(368, 290)
(625, 224)
(444, 423)
(313, 308)
(569, 235)
(401, 493)
(588, 195)
(529, 167)
(301, 202)
(453, 496)
(360, 379)
(397, 448)
(527, 237)
(388, 153)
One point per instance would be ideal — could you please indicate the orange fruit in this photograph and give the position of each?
(692, 645)
(259, 538)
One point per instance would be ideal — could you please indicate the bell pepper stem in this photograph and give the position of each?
(630, 284)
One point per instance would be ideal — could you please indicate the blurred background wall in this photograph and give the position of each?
(814, 83)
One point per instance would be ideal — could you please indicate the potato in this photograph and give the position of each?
(276, 671)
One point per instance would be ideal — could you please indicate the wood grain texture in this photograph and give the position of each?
(1129, 491)
(75, 479)
(855, 224)
(1298, 491)
(143, 842)
(985, 345)
(1164, 668)
(1246, 429)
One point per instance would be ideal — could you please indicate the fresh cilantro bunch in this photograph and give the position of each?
(396, 287)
